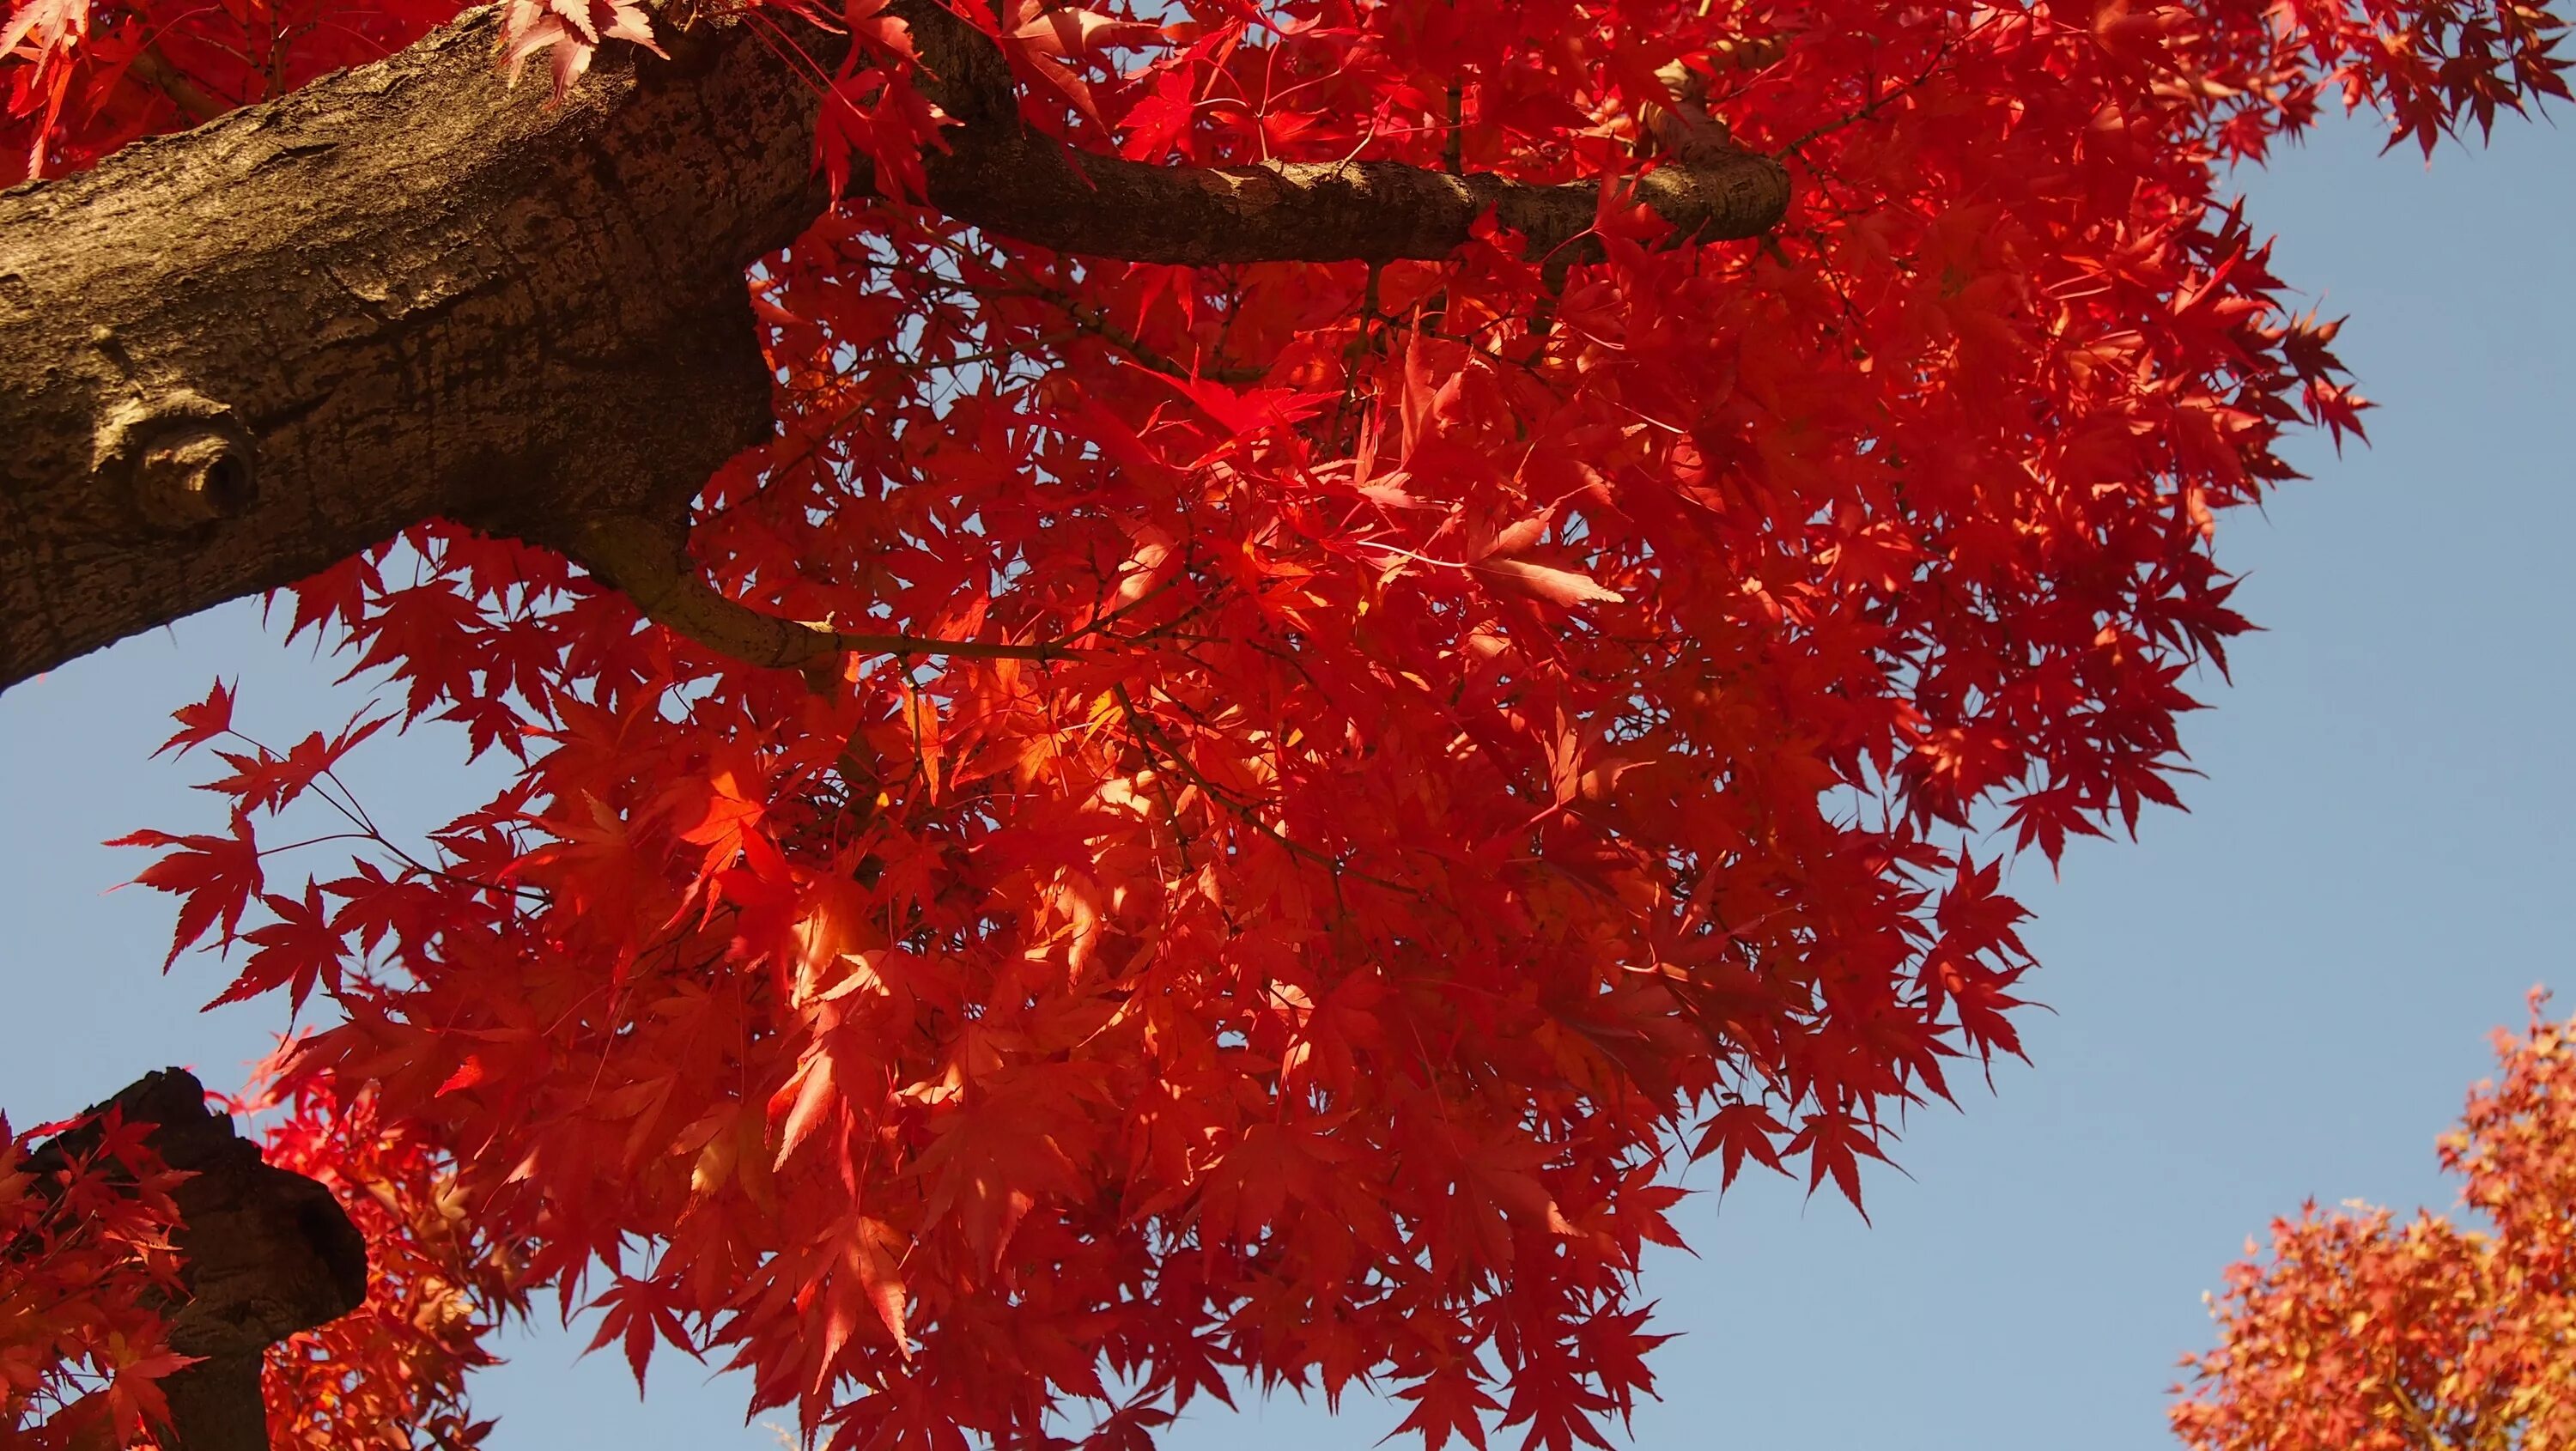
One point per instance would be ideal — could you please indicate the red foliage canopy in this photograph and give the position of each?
(1509, 725)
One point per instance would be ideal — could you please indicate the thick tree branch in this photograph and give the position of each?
(233, 357)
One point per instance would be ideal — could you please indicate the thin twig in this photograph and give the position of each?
(154, 68)
(1871, 108)
(1142, 727)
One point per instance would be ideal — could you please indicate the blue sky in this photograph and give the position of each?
(2282, 995)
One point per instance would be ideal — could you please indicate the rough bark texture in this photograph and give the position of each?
(232, 357)
(265, 1253)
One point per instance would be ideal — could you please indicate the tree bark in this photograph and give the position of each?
(232, 357)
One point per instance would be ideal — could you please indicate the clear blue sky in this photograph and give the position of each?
(2282, 995)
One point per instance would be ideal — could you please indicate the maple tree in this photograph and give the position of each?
(2364, 1333)
(1193, 684)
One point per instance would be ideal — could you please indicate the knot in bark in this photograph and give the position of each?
(182, 460)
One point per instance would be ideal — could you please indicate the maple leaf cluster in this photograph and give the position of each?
(86, 1264)
(80, 78)
(2363, 1333)
(1509, 729)
(574, 30)
(390, 1375)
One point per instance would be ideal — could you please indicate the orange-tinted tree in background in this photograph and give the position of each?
(2361, 1333)
(1519, 723)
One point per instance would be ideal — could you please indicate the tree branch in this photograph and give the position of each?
(649, 563)
(1011, 180)
(233, 357)
(184, 93)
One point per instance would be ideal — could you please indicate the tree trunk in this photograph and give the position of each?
(232, 357)
(265, 1253)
